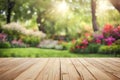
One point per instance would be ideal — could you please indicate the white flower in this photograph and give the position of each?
(20, 29)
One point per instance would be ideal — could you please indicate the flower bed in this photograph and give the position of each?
(93, 43)
(19, 37)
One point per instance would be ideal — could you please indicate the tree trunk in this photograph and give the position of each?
(40, 24)
(116, 4)
(93, 8)
(10, 5)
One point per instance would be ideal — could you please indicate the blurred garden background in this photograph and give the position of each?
(59, 28)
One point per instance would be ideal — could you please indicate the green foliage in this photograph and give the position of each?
(5, 45)
(66, 45)
(72, 22)
(36, 52)
(114, 49)
(12, 34)
(110, 16)
(93, 48)
(18, 46)
(117, 42)
(31, 40)
(53, 21)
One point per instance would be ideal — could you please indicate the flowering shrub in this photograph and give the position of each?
(79, 46)
(18, 43)
(31, 40)
(19, 36)
(91, 43)
(109, 40)
(98, 38)
(16, 29)
(2, 37)
(109, 31)
(116, 33)
(3, 42)
(111, 34)
(85, 46)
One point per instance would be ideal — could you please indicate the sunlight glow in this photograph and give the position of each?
(103, 5)
(62, 7)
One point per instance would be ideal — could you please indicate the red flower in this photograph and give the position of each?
(107, 28)
(118, 28)
(83, 47)
(87, 34)
(78, 47)
(98, 41)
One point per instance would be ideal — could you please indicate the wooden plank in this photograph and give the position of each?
(45, 72)
(6, 62)
(111, 62)
(33, 71)
(55, 71)
(83, 71)
(98, 74)
(11, 64)
(2, 60)
(103, 68)
(14, 72)
(115, 70)
(64, 70)
(68, 71)
(114, 59)
(51, 71)
(108, 65)
(59, 69)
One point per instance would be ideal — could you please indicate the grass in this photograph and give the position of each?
(36, 52)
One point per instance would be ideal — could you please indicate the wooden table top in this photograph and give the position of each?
(59, 68)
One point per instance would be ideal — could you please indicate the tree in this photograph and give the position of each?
(116, 4)
(40, 23)
(16, 9)
(94, 21)
(10, 5)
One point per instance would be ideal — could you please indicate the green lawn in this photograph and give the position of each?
(36, 52)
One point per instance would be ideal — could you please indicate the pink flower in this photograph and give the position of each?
(116, 32)
(85, 42)
(14, 41)
(109, 40)
(109, 43)
(18, 42)
(100, 36)
(3, 37)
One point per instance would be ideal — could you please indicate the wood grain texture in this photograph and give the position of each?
(59, 68)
